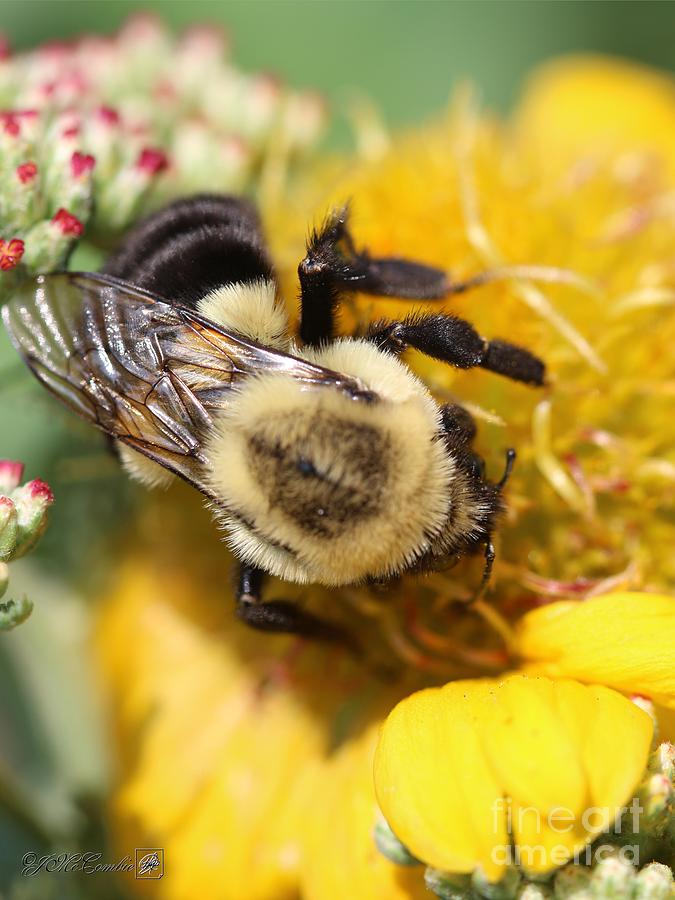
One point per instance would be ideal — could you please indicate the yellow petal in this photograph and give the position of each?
(340, 859)
(456, 766)
(626, 641)
(434, 783)
(216, 752)
(524, 713)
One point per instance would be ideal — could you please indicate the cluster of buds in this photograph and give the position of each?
(657, 796)
(42, 207)
(95, 132)
(23, 518)
(613, 876)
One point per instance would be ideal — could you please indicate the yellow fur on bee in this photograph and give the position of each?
(250, 309)
(142, 469)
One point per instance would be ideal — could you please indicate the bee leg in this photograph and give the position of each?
(283, 616)
(487, 570)
(452, 340)
(333, 264)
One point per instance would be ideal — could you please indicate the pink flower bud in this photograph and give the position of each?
(81, 164)
(68, 224)
(5, 49)
(40, 493)
(32, 501)
(108, 115)
(10, 253)
(10, 124)
(152, 161)
(26, 172)
(56, 50)
(11, 473)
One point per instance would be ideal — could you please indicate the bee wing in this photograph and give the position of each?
(145, 371)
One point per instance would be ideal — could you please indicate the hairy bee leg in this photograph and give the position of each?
(333, 264)
(454, 341)
(283, 616)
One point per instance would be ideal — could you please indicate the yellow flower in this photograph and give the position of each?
(460, 769)
(248, 757)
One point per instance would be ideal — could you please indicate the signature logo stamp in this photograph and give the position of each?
(149, 862)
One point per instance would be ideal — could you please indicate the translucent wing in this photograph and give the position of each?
(146, 372)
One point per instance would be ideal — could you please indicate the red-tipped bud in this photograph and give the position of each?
(81, 164)
(68, 224)
(32, 501)
(5, 49)
(40, 492)
(108, 115)
(71, 132)
(10, 124)
(10, 253)
(11, 473)
(152, 161)
(26, 172)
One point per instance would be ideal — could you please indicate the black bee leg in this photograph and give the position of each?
(333, 265)
(487, 569)
(283, 616)
(456, 342)
(508, 468)
(489, 546)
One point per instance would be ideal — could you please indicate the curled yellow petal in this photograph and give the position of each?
(461, 770)
(625, 640)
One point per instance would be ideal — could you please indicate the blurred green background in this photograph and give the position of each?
(406, 57)
(404, 54)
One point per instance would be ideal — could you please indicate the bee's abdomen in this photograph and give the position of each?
(193, 247)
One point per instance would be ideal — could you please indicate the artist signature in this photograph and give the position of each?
(89, 862)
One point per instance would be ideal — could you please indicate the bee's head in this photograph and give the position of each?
(321, 487)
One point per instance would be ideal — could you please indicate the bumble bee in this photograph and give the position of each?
(325, 461)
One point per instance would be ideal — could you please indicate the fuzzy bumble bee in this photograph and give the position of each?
(325, 460)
